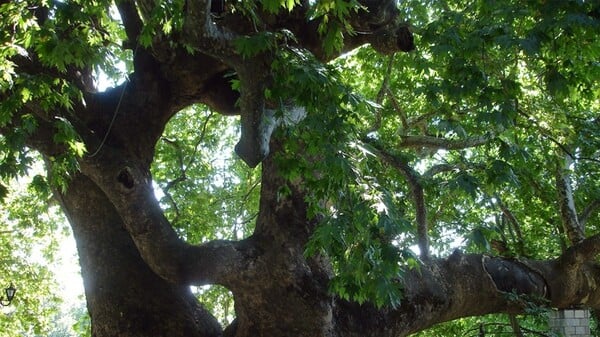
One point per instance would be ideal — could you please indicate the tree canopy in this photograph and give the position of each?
(311, 168)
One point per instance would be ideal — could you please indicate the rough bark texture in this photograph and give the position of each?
(136, 269)
(124, 297)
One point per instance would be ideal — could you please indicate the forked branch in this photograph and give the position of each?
(130, 190)
(413, 178)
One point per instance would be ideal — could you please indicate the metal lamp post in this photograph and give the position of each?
(10, 294)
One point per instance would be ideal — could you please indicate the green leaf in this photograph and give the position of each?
(467, 183)
(478, 238)
(500, 172)
(530, 45)
(556, 83)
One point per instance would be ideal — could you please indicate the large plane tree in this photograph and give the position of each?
(396, 165)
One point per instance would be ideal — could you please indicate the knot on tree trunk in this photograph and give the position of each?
(125, 178)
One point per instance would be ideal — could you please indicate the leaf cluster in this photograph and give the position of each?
(30, 232)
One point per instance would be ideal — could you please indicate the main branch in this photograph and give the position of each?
(472, 285)
(128, 185)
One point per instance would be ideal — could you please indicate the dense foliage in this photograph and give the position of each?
(483, 139)
(31, 235)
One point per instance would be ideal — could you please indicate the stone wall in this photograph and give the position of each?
(570, 322)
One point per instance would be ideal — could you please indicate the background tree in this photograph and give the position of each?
(488, 132)
(29, 237)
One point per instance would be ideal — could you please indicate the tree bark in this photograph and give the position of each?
(137, 271)
(280, 292)
(124, 297)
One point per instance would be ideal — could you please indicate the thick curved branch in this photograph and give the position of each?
(197, 14)
(129, 188)
(202, 33)
(373, 22)
(219, 95)
(107, 256)
(443, 289)
(585, 250)
(257, 125)
(579, 275)
(382, 27)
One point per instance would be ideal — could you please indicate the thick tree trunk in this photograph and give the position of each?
(124, 297)
(278, 291)
(286, 294)
(137, 271)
